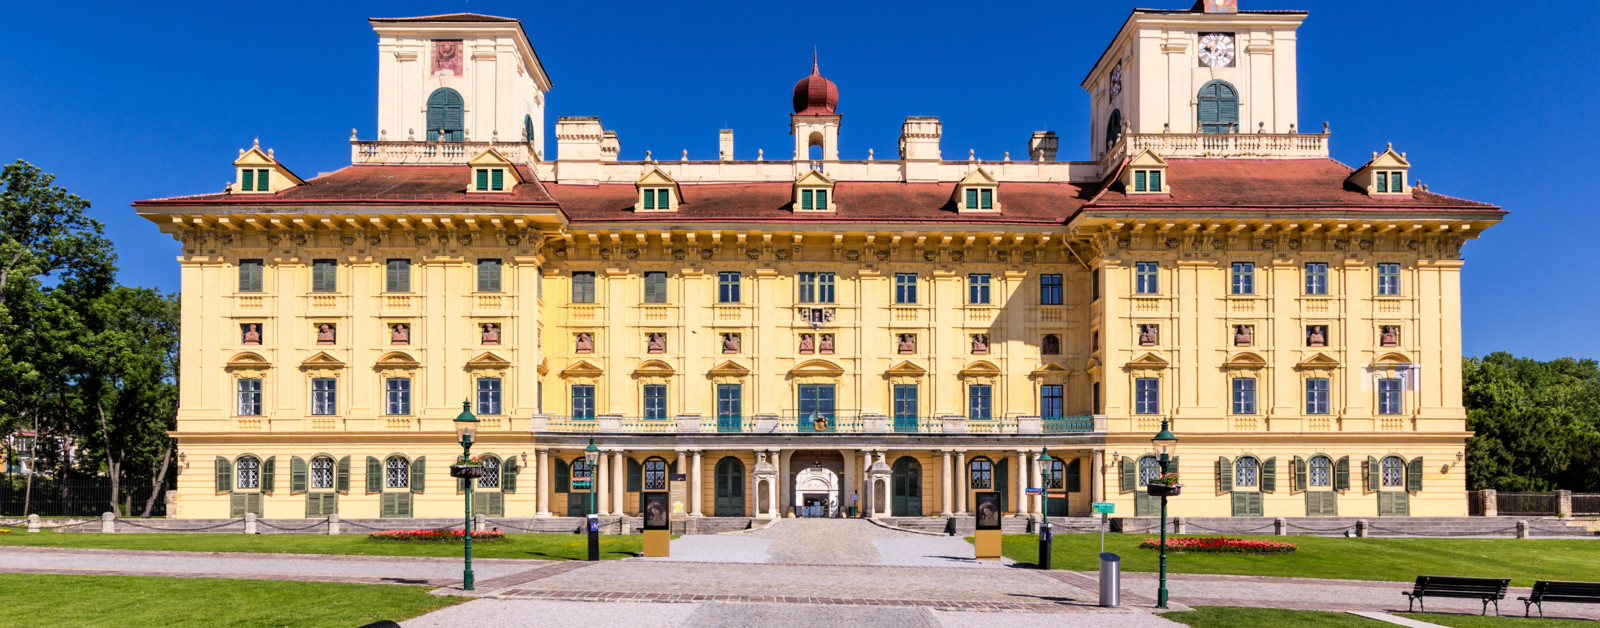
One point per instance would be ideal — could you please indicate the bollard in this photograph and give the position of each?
(1361, 528)
(478, 522)
(33, 523)
(1278, 526)
(333, 523)
(108, 522)
(1180, 525)
(1522, 529)
(249, 523)
(1491, 503)
(1110, 580)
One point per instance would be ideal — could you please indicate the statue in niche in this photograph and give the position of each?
(325, 334)
(1147, 335)
(491, 334)
(1316, 336)
(1242, 336)
(585, 343)
(827, 344)
(980, 344)
(808, 343)
(1390, 337)
(657, 343)
(1051, 345)
(251, 333)
(908, 343)
(730, 343)
(399, 334)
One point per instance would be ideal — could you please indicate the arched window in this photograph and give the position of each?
(1394, 472)
(1058, 474)
(445, 109)
(981, 474)
(1219, 107)
(1245, 472)
(397, 472)
(321, 473)
(1320, 472)
(527, 129)
(249, 472)
(580, 469)
(655, 474)
(1113, 128)
(491, 473)
(1149, 469)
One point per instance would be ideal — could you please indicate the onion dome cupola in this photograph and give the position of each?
(815, 122)
(815, 95)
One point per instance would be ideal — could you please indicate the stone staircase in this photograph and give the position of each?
(966, 525)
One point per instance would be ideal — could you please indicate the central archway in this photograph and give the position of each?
(729, 479)
(906, 483)
(815, 486)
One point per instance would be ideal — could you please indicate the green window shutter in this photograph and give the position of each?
(1385, 504)
(297, 475)
(419, 474)
(269, 474)
(1341, 474)
(1372, 473)
(1330, 503)
(497, 505)
(1383, 182)
(262, 182)
(822, 199)
(1155, 180)
(1269, 475)
(483, 179)
(374, 475)
(563, 477)
(236, 505)
(224, 475)
(986, 198)
(1414, 474)
(972, 198)
(497, 179)
(649, 198)
(313, 505)
(247, 180)
(1130, 477)
(805, 199)
(1138, 181)
(1224, 475)
(1255, 503)
(479, 503)
(386, 506)
(508, 475)
(342, 478)
(1396, 182)
(1313, 504)
(1299, 473)
(635, 476)
(330, 503)
(1146, 505)
(1240, 504)
(403, 504)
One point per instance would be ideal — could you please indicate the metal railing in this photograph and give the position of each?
(1066, 424)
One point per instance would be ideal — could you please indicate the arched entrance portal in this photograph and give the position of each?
(730, 488)
(815, 484)
(906, 483)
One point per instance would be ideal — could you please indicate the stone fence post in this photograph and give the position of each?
(333, 524)
(1180, 525)
(108, 522)
(1491, 502)
(249, 523)
(1361, 528)
(1522, 529)
(1564, 503)
(1278, 526)
(33, 523)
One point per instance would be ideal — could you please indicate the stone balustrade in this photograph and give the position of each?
(841, 423)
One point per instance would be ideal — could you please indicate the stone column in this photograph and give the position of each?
(945, 483)
(961, 481)
(1097, 476)
(543, 482)
(867, 505)
(847, 483)
(886, 507)
(597, 486)
(782, 492)
(1034, 503)
(696, 485)
(1019, 480)
(619, 483)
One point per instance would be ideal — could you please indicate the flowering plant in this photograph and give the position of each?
(435, 535)
(1165, 479)
(475, 461)
(1221, 545)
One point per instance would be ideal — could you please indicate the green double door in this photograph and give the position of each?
(729, 479)
(906, 488)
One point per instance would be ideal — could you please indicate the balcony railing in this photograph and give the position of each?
(368, 152)
(840, 422)
(1243, 144)
(1067, 424)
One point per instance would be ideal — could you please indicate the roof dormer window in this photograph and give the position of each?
(260, 173)
(1146, 174)
(978, 192)
(813, 192)
(1147, 180)
(980, 198)
(812, 200)
(251, 179)
(492, 174)
(658, 199)
(1385, 174)
(489, 179)
(1386, 180)
(657, 193)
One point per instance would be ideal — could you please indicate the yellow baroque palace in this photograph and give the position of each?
(803, 333)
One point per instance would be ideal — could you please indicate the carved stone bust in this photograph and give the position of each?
(1390, 336)
(657, 343)
(1051, 345)
(808, 343)
(908, 343)
(250, 333)
(730, 343)
(827, 344)
(1243, 335)
(491, 334)
(399, 334)
(1317, 335)
(325, 334)
(980, 344)
(585, 343)
(1148, 335)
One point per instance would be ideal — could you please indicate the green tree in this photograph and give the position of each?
(1536, 424)
(46, 231)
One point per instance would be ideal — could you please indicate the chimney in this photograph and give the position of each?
(609, 146)
(725, 145)
(919, 147)
(578, 153)
(1042, 146)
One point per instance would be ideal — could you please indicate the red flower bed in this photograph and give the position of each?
(435, 535)
(1220, 545)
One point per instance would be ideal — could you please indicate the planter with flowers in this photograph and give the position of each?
(1165, 485)
(467, 467)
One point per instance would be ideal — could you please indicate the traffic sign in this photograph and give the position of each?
(1035, 491)
(1104, 508)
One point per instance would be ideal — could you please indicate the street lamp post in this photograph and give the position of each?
(1164, 442)
(1044, 509)
(592, 454)
(467, 430)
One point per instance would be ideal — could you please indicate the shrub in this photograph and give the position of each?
(435, 536)
(1221, 545)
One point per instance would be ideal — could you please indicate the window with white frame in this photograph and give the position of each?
(1393, 472)
(816, 288)
(980, 474)
(397, 393)
(1389, 395)
(1317, 392)
(249, 396)
(396, 472)
(1245, 471)
(1244, 395)
(1244, 278)
(1149, 469)
(655, 474)
(1145, 277)
(321, 473)
(655, 401)
(1388, 279)
(249, 472)
(1147, 395)
(324, 395)
(978, 288)
(489, 395)
(491, 473)
(1317, 278)
(905, 288)
(1320, 471)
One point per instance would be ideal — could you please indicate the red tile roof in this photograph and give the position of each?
(448, 17)
(1269, 184)
(372, 184)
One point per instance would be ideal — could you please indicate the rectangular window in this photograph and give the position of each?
(980, 401)
(583, 401)
(397, 393)
(655, 287)
(649, 198)
(1155, 180)
(324, 275)
(905, 407)
(728, 287)
(1094, 284)
(1382, 179)
(250, 397)
(1146, 281)
(1049, 289)
(986, 198)
(978, 289)
(1051, 402)
(1388, 279)
(972, 198)
(805, 199)
(1244, 278)
(1396, 182)
(497, 179)
(397, 275)
(1147, 395)
(1138, 181)
(1317, 278)
(1098, 407)
(483, 179)
(1244, 395)
(489, 395)
(655, 401)
(816, 288)
(583, 286)
(324, 395)
(815, 399)
(250, 273)
(1389, 395)
(1317, 395)
(905, 288)
(488, 275)
(263, 182)
(247, 180)
(730, 410)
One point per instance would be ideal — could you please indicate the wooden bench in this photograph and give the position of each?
(1560, 591)
(1485, 590)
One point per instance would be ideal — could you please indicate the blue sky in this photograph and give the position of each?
(1493, 102)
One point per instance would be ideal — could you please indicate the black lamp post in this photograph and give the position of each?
(1164, 443)
(592, 454)
(467, 430)
(1044, 508)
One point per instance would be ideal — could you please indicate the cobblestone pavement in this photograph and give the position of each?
(827, 542)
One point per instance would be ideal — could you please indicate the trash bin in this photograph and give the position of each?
(1110, 580)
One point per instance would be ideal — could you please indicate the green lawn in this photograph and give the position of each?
(1238, 617)
(1522, 560)
(43, 600)
(1508, 621)
(540, 546)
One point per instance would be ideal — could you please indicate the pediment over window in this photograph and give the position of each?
(493, 173)
(1148, 361)
(1146, 173)
(1392, 359)
(979, 192)
(813, 192)
(488, 360)
(1245, 360)
(1049, 369)
(1318, 360)
(1092, 366)
(248, 360)
(817, 367)
(980, 368)
(906, 369)
(321, 360)
(658, 192)
(581, 368)
(728, 368)
(397, 359)
(544, 366)
(1384, 174)
(654, 368)
(258, 172)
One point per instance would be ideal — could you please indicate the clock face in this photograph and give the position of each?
(1116, 81)
(1216, 49)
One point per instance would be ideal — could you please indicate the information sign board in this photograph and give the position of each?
(1104, 508)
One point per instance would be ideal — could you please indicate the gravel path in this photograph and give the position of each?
(276, 566)
(715, 614)
(719, 548)
(824, 541)
(932, 551)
